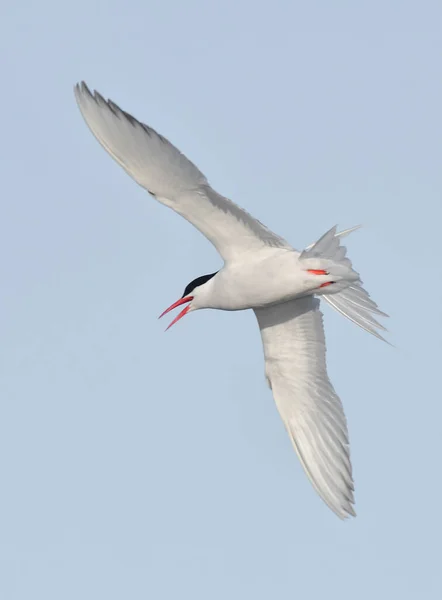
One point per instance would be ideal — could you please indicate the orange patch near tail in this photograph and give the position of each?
(326, 283)
(317, 272)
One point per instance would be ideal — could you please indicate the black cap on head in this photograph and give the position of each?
(197, 282)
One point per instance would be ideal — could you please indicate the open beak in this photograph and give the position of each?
(175, 305)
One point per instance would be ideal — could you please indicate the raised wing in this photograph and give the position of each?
(294, 350)
(168, 175)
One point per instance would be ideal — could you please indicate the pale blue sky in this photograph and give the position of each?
(137, 464)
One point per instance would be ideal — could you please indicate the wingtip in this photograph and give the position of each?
(343, 512)
(81, 88)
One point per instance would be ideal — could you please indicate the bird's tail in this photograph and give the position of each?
(346, 295)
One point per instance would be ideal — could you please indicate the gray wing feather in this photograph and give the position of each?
(173, 179)
(294, 350)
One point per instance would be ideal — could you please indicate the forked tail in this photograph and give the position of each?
(347, 296)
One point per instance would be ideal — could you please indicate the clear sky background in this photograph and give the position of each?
(138, 464)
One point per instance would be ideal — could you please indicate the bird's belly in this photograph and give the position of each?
(261, 283)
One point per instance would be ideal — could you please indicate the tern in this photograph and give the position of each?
(264, 273)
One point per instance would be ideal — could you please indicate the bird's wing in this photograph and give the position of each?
(168, 175)
(294, 349)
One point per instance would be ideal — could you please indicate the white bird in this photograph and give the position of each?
(264, 273)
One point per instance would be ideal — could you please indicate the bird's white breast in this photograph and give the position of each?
(258, 281)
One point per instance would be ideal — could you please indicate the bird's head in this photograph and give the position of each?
(193, 296)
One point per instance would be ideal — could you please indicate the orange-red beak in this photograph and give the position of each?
(175, 305)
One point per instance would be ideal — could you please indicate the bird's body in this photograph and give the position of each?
(262, 272)
(258, 280)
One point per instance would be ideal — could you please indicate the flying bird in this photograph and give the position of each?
(264, 273)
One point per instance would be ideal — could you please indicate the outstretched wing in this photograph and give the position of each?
(294, 350)
(168, 175)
